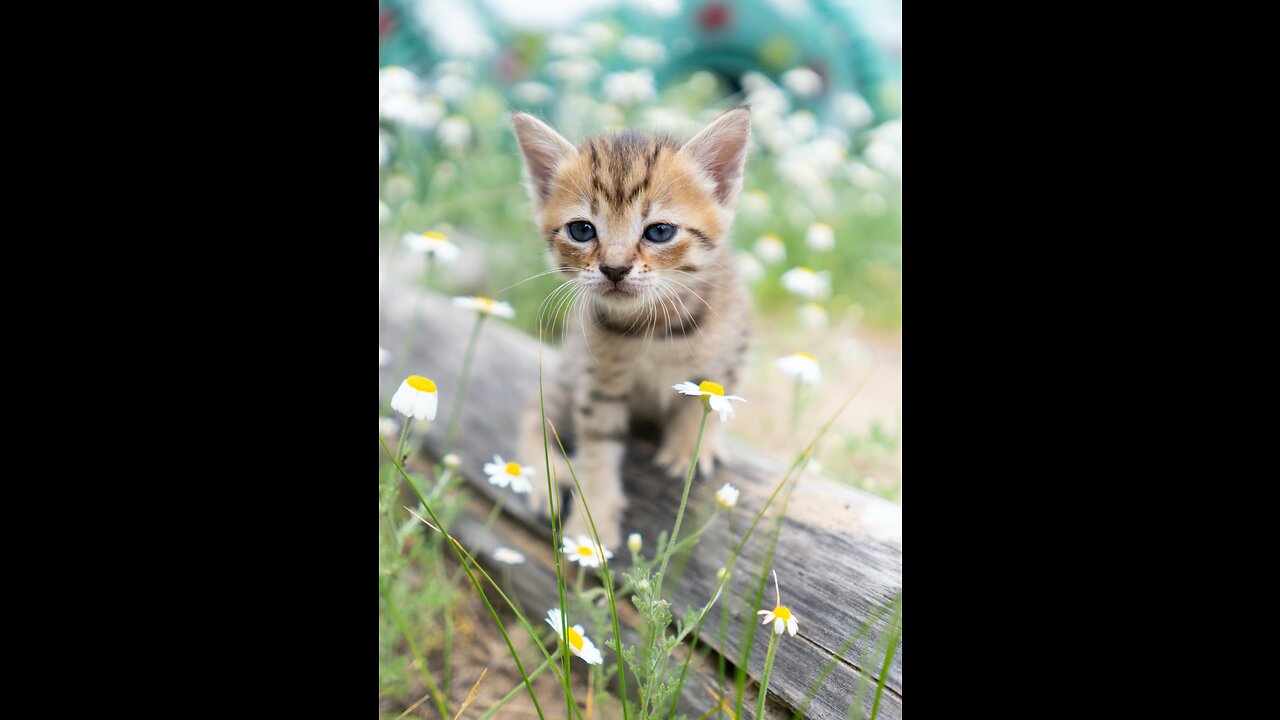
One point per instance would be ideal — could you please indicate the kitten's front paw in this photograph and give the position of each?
(675, 454)
(606, 511)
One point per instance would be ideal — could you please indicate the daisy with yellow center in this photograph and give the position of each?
(801, 366)
(584, 552)
(820, 237)
(485, 306)
(727, 496)
(508, 556)
(714, 392)
(770, 249)
(513, 474)
(780, 616)
(432, 244)
(806, 283)
(579, 643)
(416, 398)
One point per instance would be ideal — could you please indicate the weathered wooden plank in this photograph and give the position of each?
(838, 554)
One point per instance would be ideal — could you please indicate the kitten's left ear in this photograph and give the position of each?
(720, 150)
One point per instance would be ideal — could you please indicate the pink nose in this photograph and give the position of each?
(615, 273)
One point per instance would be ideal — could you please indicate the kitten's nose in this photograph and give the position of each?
(615, 273)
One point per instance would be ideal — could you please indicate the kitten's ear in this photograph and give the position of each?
(543, 151)
(720, 150)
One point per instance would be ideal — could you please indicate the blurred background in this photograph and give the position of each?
(818, 229)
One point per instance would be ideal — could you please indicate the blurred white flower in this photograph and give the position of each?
(862, 176)
(508, 556)
(820, 237)
(629, 88)
(802, 124)
(727, 496)
(806, 283)
(512, 474)
(663, 119)
(600, 35)
(703, 82)
(453, 88)
(565, 44)
(384, 212)
(885, 150)
(754, 204)
(768, 99)
(432, 244)
(384, 152)
(485, 306)
(451, 461)
(643, 50)
(532, 93)
(579, 643)
(585, 552)
(407, 109)
(574, 71)
(749, 268)
(801, 366)
(873, 204)
(395, 79)
(634, 542)
(802, 82)
(813, 317)
(388, 426)
(770, 249)
(384, 356)
(851, 111)
(454, 132)
(721, 573)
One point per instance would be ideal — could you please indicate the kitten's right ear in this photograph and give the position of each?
(544, 150)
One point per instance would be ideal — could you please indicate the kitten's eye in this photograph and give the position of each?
(582, 231)
(659, 233)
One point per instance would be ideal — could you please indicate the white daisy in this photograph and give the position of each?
(485, 306)
(532, 93)
(579, 643)
(508, 556)
(770, 249)
(714, 392)
(780, 615)
(802, 366)
(584, 552)
(416, 398)
(727, 496)
(806, 283)
(454, 132)
(432, 244)
(511, 474)
(643, 50)
(813, 317)
(388, 426)
(820, 237)
(748, 267)
(754, 204)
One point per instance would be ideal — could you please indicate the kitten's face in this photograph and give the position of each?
(629, 215)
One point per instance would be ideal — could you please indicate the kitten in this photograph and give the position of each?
(641, 225)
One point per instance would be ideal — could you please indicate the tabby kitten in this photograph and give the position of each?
(640, 226)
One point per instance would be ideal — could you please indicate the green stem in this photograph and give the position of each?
(516, 690)
(413, 647)
(404, 435)
(768, 669)
(455, 414)
(684, 500)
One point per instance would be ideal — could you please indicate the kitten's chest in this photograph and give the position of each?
(653, 374)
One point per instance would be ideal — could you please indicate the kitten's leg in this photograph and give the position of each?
(601, 417)
(681, 435)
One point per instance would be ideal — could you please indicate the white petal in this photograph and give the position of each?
(497, 460)
(500, 479)
(519, 484)
(779, 626)
(687, 388)
(735, 397)
(425, 406)
(402, 401)
(792, 627)
(493, 469)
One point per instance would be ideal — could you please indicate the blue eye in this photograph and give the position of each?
(659, 233)
(582, 231)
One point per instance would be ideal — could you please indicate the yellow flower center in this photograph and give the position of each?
(486, 305)
(771, 236)
(513, 468)
(782, 613)
(713, 388)
(585, 551)
(806, 355)
(421, 384)
(806, 269)
(575, 639)
(433, 235)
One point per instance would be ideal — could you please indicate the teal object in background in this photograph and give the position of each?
(728, 38)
